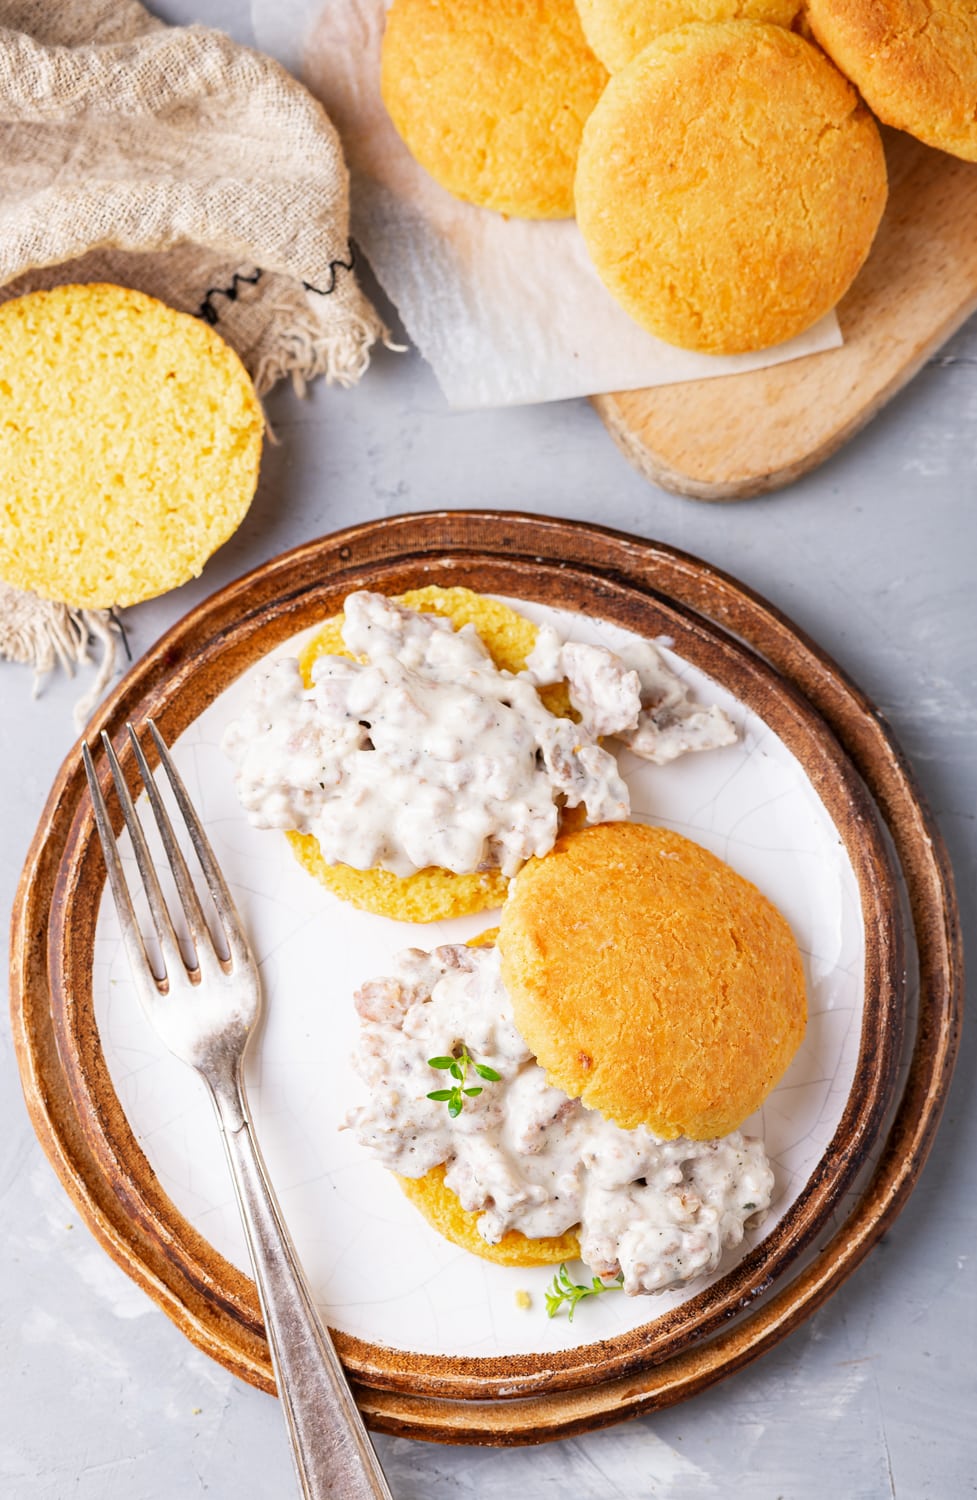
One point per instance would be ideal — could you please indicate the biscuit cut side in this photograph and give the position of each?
(491, 98)
(431, 895)
(130, 439)
(618, 30)
(651, 981)
(729, 186)
(443, 1211)
(915, 64)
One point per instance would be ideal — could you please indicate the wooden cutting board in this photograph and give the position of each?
(740, 435)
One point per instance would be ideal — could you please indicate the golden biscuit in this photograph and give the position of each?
(129, 444)
(618, 30)
(915, 64)
(729, 185)
(651, 980)
(431, 895)
(491, 98)
(443, 1211)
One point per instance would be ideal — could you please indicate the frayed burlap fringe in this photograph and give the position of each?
(175, 162)
(43, 635)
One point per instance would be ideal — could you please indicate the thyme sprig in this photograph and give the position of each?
(563, 1290)
(457, 1065)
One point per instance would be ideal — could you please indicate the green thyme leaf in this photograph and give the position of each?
(458, 1066)
(564, 1291)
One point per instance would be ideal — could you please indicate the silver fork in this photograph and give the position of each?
(206, 1012)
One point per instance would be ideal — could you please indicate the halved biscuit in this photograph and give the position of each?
(130, 442)
(729, 185)
(431, 895)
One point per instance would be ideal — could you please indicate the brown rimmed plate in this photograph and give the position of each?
(847, 757)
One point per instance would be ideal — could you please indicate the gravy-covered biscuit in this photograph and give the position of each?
(651, 981)
(915, 64)
(491, 98)
(618, 30)
(443, 1211)
(129, 445)
(431, 895)
(729, 185)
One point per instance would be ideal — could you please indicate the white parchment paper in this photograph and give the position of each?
(506, 311)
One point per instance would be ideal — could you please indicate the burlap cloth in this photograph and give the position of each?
(171, 160)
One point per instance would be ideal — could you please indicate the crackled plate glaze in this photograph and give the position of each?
(416, 1318)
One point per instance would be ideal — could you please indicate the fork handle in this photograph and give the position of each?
(331, 1449)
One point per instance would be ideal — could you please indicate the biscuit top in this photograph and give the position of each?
(651, 981)
(915, 63)
(491, 98)
(129, 444)
(618, 30)
(729, 185)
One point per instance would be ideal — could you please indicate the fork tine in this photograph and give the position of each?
(217, 885)
(169, 947)
(192, 910)
(131, 935)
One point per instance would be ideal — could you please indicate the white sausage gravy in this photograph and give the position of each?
(422, 752)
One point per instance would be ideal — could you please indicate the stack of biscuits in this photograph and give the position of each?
(722, 157)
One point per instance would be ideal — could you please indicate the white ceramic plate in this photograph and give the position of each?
(378, 1271)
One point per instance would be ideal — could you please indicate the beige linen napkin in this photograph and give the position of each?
(171, 160)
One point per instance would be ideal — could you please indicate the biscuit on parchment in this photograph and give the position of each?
(729, 185)
(491, 98)
(431, 895)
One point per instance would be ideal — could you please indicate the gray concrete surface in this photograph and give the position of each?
(875, 556)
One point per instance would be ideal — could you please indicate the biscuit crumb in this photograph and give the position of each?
(131, 440)
(523, 1299)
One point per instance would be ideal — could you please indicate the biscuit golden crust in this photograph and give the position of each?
(443, 1211)
(129, 447)
(431, 895)
(618, 30)
(491, 98)
(651, 980)
(914, 63)
(729, 186)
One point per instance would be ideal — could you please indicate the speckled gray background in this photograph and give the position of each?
(875, 556)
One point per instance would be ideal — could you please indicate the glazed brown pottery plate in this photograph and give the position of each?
(432, 1335)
